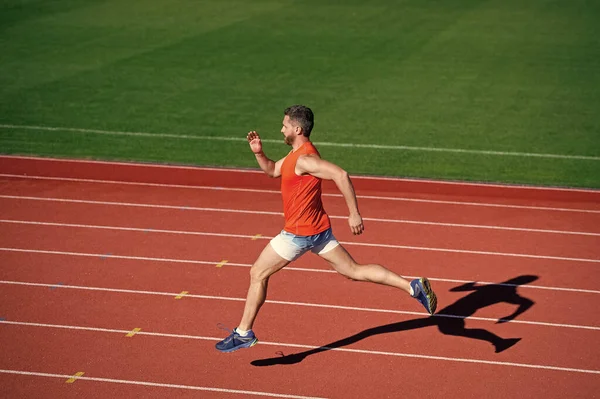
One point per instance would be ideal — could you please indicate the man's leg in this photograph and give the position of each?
(343, 263)
(267, 263)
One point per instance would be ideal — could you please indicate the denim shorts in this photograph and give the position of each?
(290, 246)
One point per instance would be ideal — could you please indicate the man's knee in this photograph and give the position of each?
(260, 271)
(258, 274)
(350, 271)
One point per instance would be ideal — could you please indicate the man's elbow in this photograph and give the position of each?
(341, 176)
(272, 173)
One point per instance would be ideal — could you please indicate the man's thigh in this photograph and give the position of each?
(340, 260)
(268, 262)
(288, 246)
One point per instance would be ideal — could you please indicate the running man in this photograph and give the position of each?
(307, 226)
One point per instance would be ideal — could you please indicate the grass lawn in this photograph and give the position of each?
(499, 79)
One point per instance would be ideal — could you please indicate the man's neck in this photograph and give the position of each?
(299, 142)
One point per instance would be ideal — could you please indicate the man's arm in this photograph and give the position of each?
(270, 167)
(322, 169)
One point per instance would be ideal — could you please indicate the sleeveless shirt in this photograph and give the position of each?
(302, 205)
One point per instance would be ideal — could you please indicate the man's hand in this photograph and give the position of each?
(356, 224)
(254, 141)
(270, 167)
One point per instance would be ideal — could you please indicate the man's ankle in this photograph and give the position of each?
(241, 332)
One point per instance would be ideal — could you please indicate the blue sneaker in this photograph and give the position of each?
(424, 294)
(235, 341)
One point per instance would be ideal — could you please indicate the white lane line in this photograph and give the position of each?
(321, 143)
(142, 258)
(378, 220)
(264, 191)
(304, 304)
(382, 220)
(474, 226)
(364, 244)
(311, 347)
(156, 384)
(489, 205)
(472, 252)
(129, 183)
(139, 205)
(142, 165)
(287, 268)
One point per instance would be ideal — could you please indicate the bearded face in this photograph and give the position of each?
(289, 130)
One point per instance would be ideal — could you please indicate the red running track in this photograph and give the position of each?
(91, 251)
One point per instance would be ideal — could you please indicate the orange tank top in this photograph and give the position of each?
(302, 205)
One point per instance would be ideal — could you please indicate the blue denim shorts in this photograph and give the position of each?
(290, 246)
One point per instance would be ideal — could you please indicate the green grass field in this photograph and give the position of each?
(502, 76)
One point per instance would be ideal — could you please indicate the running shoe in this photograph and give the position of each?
(424, 294)
(235, 341)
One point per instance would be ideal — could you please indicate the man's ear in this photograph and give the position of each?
(298, 130)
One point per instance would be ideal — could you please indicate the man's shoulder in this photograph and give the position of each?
(309, 156)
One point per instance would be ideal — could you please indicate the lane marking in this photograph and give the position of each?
(364, 244)
(310, 347)
(256, 237)
(130, 204)
(181, 294)
(288, 268)
(159, 385)
(472, 252)
(280, 214)
(55, 286)
(482, 204)
(318, 143)
(262, 191)
(222, 263)
(476, 226)
(305, 304)
(257, 171)
(74, 377)
(133, 332)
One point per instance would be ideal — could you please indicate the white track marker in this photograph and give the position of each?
(250, 212)
(372, 197)
(364, 244)
(321, 143)
(304, 304)
(310, 270)
(80, 377)
(231, 170)
(312, 347)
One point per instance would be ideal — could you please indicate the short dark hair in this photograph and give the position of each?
(303, 116)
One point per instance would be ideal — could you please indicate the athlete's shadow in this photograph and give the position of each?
(449, 320)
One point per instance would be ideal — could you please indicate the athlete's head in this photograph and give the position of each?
(300, 120)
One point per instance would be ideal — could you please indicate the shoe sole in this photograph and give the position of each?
(246, 345)
(429, 294)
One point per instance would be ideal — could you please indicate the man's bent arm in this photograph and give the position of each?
(270, 167)
(322, 169)
(344, 184)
